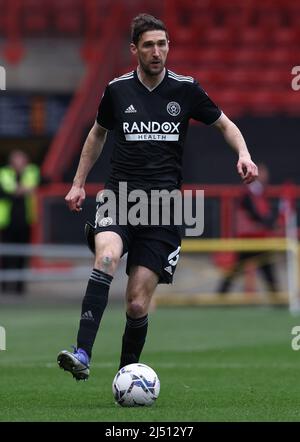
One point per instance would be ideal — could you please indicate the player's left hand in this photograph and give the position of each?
(247, 169)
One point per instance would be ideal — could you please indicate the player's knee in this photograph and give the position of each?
(136, 308)
(107, 262)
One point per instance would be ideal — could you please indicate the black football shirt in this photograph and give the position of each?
(150, 128)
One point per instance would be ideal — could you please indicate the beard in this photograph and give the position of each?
(152, 70)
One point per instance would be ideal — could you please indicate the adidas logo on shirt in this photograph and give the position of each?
(130, 110)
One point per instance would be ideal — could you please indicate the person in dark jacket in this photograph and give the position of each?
(255, 218)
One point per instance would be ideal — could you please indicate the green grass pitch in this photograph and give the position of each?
(214, 364)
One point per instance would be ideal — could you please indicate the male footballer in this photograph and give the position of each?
(148, 111)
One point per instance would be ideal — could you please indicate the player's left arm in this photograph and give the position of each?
(246, 168)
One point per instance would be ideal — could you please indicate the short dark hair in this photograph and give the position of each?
(143, 23)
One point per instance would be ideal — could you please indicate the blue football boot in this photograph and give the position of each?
(77, 363)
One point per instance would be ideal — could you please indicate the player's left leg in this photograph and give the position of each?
(140, 288)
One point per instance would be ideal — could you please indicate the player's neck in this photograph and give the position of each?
(149, 81)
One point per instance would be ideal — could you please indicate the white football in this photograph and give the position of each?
(136, 385)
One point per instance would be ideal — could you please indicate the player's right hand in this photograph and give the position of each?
(75, 198)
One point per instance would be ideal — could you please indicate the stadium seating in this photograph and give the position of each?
(247, 45)
(243, 52)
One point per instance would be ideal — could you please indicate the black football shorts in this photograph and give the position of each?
(154, 247)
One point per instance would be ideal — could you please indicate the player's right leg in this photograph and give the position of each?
(109, 248)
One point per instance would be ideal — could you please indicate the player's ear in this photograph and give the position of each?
(133, 48)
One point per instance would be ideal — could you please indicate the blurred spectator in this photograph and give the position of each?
(17, 210)
(254, 219)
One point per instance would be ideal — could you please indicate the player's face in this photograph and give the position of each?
(152, 50)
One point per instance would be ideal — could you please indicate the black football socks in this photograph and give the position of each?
(93, 306)
(133, 340)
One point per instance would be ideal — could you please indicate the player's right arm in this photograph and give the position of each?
(90, 153)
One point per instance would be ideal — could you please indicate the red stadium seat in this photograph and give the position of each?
(68, 24)
(218, 36)
(4, 22)
(263, 78)
(10, 19)
(285, 36)
(276, 79)
(294, 15)
(254, 36)
(216, 57)
(34, 17)
(95, 15)
(35, 23)
(239, 78)
(237, 18)
(232, 102)
(266, 102)
(282, 56)
(250, 56)
(185, 35)
(269, 17)
(67, 17)
(201, 22)
(210, 77)
(182, 56)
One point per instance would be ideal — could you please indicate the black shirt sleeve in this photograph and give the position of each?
(105, 115)
(203, 108)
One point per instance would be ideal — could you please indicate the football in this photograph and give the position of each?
(136, 385)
